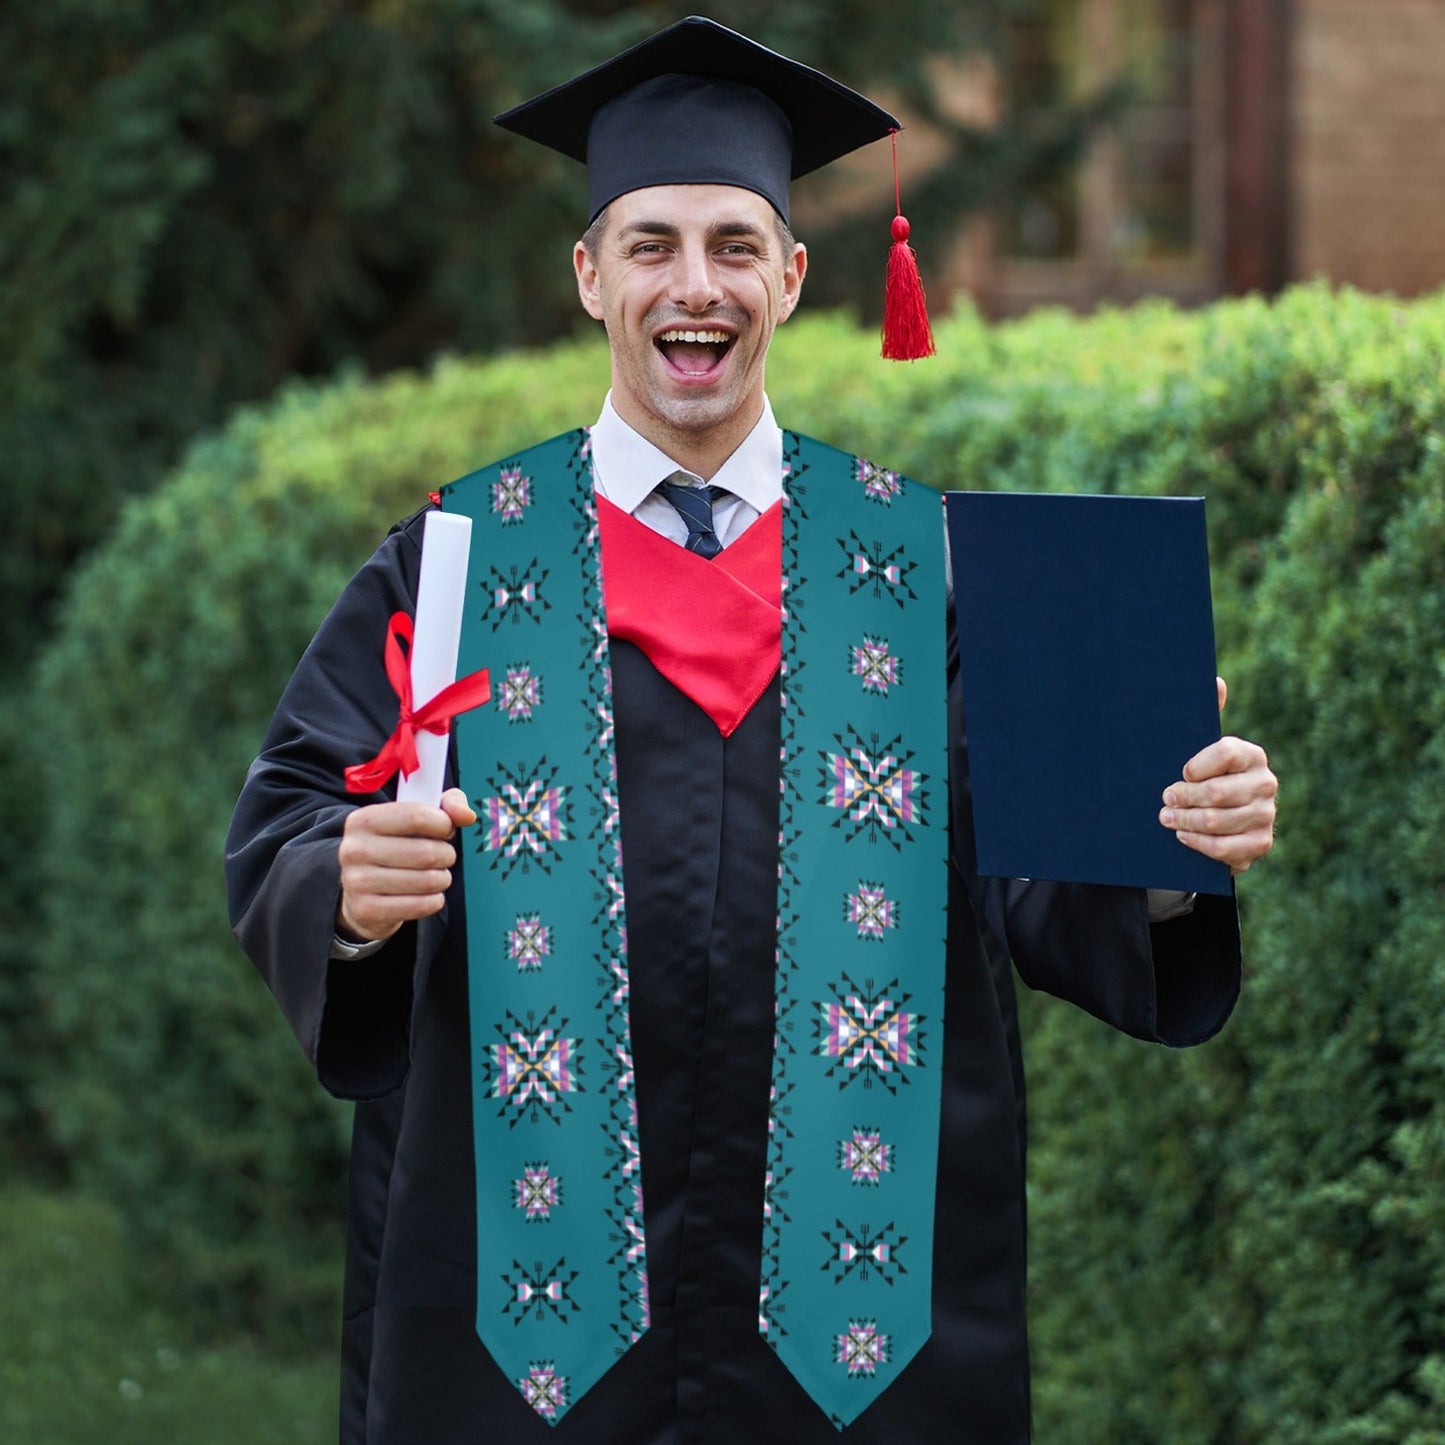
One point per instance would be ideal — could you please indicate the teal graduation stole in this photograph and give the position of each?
(847, 1206)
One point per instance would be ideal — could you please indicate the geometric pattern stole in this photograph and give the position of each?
(847, 1210)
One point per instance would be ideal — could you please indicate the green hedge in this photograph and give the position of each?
(1244, 1244)
(172, 1086)
(1240, 1244)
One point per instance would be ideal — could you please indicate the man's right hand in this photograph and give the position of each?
(396, 861)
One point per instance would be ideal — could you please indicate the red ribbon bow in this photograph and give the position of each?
(399, 750)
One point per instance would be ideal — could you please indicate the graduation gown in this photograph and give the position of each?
(700, 844)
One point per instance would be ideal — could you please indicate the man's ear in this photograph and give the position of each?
(793, 273)
(589, 285)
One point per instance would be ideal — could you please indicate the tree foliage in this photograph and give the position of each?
(197, 202)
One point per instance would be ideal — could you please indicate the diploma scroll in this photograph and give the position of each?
(446, 541)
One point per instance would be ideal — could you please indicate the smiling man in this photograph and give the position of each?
(664, 1132)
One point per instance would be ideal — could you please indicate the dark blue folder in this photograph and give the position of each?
(1086, 647)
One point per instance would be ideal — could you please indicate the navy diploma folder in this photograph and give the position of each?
(1086, 654)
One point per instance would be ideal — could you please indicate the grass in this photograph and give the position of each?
(85, 1358)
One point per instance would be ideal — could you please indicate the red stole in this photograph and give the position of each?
(712, 628)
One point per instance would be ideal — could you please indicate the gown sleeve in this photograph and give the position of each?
(1093, 945)
(283, 874)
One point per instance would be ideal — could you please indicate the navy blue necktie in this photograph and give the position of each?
(694, 506)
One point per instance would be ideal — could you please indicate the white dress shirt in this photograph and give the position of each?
(626, 469)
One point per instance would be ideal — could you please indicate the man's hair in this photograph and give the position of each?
(592, 236)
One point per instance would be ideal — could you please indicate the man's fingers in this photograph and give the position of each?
(1228, 790)
(1224, 806)
(396, 863)
(457, 808)
(1245, 817)
(376, 900)
(402, 820)
(367, 878)
(1228, 755)
(385, 850)
(377, 916)
(1238, 850)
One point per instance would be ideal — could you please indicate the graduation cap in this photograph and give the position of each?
(699, 104)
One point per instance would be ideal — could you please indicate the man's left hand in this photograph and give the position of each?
(1224, 805)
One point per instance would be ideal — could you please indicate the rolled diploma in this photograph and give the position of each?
(446, 541)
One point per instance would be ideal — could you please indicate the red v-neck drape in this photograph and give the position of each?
(712, 628)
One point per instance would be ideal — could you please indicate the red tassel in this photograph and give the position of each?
(907, 336)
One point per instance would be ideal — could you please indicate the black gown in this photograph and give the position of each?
(700, 823)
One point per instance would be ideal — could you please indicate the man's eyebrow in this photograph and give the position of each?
(740, 230)
(650, 228)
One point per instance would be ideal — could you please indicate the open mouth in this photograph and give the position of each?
(694, 353)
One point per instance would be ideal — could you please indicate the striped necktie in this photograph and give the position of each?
(694, 505)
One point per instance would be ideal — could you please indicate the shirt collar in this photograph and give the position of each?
(628, 467)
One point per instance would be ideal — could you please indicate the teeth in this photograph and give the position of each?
(719, 338)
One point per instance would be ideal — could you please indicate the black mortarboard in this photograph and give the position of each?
(698, 103)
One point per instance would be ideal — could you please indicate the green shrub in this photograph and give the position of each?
(1240, 1244)
(86, 1356)
(1336, 1166)
(173, 1090)
(1243, 1244)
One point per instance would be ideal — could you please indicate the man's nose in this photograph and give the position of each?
(697, 287)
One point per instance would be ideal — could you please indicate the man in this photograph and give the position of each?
(475, 1035)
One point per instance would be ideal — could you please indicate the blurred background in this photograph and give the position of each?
(268, 274)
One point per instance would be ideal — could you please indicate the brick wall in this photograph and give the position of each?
(1367, 144)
